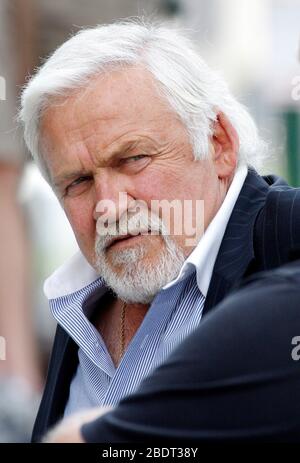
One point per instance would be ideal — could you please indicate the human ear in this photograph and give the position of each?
(225, 143)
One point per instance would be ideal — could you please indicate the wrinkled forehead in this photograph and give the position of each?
(117, 97)
(120, 103)
(126, 89)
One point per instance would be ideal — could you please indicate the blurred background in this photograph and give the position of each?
(254, 43)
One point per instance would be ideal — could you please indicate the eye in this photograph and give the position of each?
(78, 185)
(134, 164)
(135, 158)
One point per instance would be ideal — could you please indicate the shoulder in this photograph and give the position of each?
(278, 223)
(282, 206)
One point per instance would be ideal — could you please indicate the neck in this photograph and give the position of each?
(135, 314)
(108, 322)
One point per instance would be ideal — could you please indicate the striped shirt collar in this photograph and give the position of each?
(76, 274)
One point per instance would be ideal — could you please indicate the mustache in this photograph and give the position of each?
(141, 223)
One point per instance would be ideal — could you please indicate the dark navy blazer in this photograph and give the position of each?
(262, 232)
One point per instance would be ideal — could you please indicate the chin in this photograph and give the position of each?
(137, 273)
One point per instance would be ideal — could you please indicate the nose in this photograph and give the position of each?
(112, 199)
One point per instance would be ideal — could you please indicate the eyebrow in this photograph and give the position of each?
(114, 153)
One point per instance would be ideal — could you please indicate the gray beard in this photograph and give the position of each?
(138, 281)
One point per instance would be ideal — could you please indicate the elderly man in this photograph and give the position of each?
(131, 108)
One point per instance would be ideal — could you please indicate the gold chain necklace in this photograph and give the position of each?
(122, 331)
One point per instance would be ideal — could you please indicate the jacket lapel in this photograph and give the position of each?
(237, 250)
(63, 364)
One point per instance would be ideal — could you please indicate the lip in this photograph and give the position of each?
(122, 240)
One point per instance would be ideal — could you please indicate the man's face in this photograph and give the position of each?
(118, 135)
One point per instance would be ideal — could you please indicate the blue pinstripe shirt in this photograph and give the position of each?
(174, 313)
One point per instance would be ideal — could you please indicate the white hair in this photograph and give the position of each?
(194, 91)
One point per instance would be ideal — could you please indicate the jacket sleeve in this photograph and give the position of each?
(236, 378)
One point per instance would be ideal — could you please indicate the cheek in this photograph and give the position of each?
(160, 184)
(80, 215)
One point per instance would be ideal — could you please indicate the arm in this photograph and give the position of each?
(231, 380)
(68, 430)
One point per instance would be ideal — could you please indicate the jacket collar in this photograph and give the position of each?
(237, 248)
